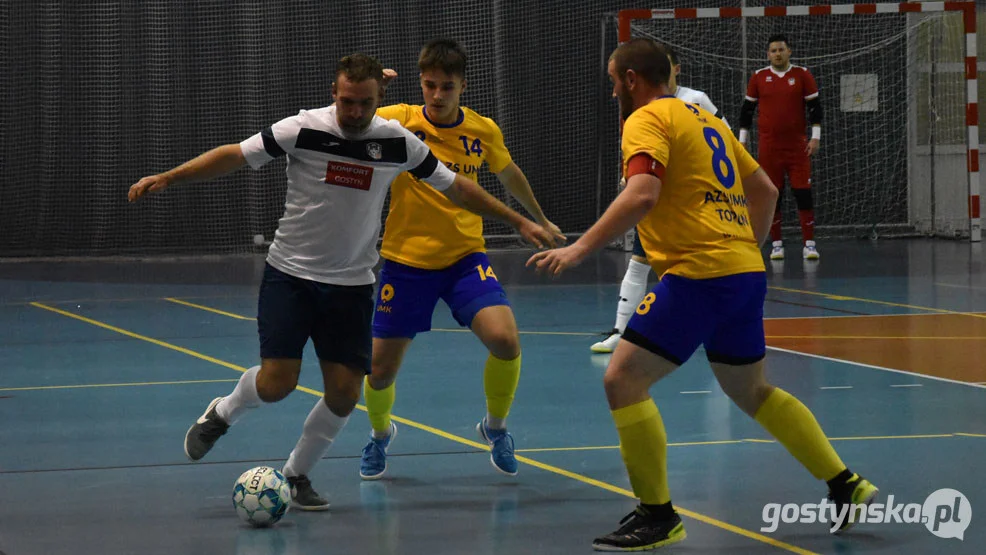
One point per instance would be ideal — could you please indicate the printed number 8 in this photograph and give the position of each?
(644, 306)
(720, 157)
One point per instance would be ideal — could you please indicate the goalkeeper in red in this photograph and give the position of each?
(783, 92)
(702, 207)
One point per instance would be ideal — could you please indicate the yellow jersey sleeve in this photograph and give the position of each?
(747, 164)
(646, 135)
(399, 112)
(497, 155)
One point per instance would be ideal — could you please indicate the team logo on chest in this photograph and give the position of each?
(790, 81)
(770, 79)
(374, 150)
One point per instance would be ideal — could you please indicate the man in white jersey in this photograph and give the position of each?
(634, 284)
(318, 281)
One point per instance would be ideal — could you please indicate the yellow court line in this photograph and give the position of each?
(874, 301)
(457, 439)
(241, 317)
(91, 385)
(209, 309)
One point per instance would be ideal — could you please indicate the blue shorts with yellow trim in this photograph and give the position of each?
(724, 314)
(407, 296)
(638, 247)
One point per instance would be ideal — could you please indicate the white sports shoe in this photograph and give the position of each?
(777, 252)
(810, 252)
(607, 345)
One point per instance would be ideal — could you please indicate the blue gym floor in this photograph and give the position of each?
(106, 364)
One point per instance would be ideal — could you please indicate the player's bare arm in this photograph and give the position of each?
(761, 196)
(515, 182)
(210, 165)
(467, 194)
(629, 208)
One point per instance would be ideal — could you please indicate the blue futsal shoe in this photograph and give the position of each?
(373, 463)
(501, 448)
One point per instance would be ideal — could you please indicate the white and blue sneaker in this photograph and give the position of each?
(777, 250)
(501, 448)
(810, 252)
(373, 463)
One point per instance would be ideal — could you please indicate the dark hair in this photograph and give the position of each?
(444, 55)
(672, 54)
(360, 67)
(778, 37)
(646, 58)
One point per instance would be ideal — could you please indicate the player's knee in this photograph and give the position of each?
(274, 386)
(748, 396)
(383, 373)
(341, 403)
(619, 385)
(503, 344)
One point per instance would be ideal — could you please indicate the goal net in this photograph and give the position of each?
(96, 97)
(899, 147)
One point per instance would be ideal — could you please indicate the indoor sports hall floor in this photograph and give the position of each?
(106, 364)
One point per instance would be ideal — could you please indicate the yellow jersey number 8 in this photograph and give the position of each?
(644, 306)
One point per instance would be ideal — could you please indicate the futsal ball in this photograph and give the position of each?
(261, 496)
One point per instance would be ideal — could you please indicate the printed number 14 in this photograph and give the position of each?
(485, 274)
(476, 146)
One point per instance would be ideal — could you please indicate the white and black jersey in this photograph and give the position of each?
(337, 183)
(693, 96)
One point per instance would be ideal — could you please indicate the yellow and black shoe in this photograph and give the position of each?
(854, 493)
(642, 531)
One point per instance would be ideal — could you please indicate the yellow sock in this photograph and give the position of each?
(379, 403)
(500, 379)
(644, 446)
(788, 420)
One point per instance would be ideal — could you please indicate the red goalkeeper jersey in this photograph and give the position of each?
(781, 97)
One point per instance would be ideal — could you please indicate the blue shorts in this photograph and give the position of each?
(408, 295)
(336, 318)
(723, 314)
(638, 247)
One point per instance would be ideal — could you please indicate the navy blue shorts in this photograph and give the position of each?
(723, 314)
(337, 318)
(408, 295)
(638, 247)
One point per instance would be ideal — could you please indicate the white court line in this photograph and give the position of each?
(694, 392)
(874, 367)
(957, 286)
(836, 387)
(871, 315)
(907, 385)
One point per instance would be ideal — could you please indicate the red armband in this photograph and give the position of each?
(644, 163)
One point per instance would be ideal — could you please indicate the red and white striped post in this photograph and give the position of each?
(968, 9)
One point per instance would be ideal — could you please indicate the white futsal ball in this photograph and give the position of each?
(261, 496)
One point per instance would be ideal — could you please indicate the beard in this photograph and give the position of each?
(626, 104)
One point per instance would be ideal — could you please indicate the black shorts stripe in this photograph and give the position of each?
(644, 343)
(732, 360)
(391, 150)
(426, 168)
(273, 149)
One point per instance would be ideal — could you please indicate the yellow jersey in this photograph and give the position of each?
(424, 229)
(700, 227)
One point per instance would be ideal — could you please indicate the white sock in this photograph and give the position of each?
(631, 292)
(321, 427)
(495, 423)
(243, 398)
